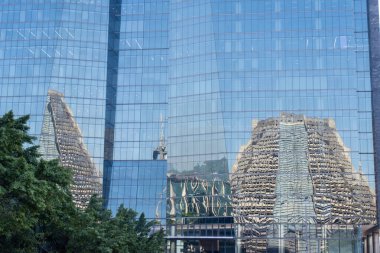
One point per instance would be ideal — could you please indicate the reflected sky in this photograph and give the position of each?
(140, 185)
(232, 62)
(62, 46)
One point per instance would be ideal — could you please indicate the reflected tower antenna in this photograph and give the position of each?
(160, 152)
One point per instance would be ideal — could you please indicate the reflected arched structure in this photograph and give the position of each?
(62, 139)
(294, 187)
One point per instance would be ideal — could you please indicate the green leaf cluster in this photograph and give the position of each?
(124, 233)
(37, 213)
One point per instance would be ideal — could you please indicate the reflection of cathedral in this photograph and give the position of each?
(61, 138)
(294, 181)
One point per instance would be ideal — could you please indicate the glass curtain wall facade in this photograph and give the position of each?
(137, 107)
(239, 125)
(61, 46)
(300, 71)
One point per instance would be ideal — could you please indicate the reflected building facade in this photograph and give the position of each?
(61, 138)
(136, 114)
(164, 93)
(199, 192)
(109, 60)
(61, 46)
(234, 61)
(295, 181)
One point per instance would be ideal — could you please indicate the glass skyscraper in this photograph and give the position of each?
(136, 115)
(61, 46)
(239, 125)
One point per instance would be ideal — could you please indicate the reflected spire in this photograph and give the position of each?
(160, 152)
(162, 137)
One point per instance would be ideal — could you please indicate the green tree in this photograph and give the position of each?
(37, 213)
(124, 233)
(34, 194)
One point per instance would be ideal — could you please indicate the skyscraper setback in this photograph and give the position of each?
(158, 97)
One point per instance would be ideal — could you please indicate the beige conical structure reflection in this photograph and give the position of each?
(61, 139)
(294, 185)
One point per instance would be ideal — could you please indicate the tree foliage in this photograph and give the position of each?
(37, 213)
(122, 233)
